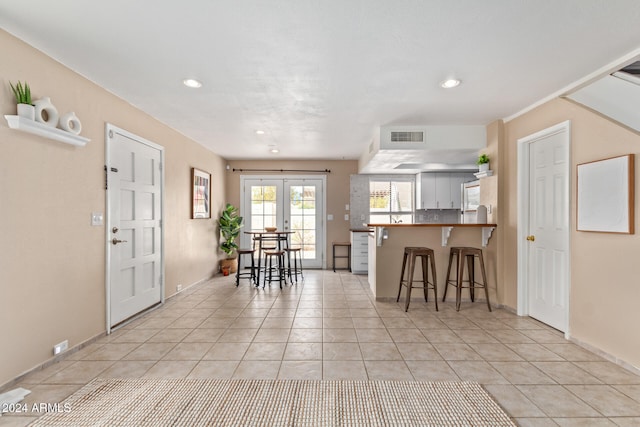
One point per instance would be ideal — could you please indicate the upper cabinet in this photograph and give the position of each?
(440, 190)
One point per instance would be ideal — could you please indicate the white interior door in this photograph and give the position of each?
(291, 204)
(547, 234)
(134, 236)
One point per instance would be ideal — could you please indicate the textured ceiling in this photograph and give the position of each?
(320, 77)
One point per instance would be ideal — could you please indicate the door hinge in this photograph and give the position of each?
(160, 165)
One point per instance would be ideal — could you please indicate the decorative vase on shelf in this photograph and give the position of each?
(70, 123)
(27, 111)
(45, 112)
(483, 167)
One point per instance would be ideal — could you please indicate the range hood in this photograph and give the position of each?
(413, 149)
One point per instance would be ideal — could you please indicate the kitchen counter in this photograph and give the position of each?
(446, 229)
(387, 243)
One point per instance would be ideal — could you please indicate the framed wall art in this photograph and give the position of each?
(200, 194)
(606, 195)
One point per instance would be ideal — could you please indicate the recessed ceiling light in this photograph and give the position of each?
(274, 151)
(192, 83)
(450, 83)
(259, 132)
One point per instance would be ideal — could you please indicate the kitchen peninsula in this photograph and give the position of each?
(387, 243)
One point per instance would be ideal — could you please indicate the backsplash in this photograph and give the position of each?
(437, 216)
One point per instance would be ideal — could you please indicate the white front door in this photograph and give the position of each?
(134, 236)
(546, 240)
(292, 204)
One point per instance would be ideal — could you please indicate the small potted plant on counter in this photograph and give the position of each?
(230, 224)
(24, 103)
(483, 163)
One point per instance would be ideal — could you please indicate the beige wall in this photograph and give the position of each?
(337, 192)
(52, 261)
(604, 296)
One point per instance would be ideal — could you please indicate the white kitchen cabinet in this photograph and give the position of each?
(360, 252)
(440, 190)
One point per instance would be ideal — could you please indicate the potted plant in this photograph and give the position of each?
(483, 163)
(23, 100)
(230, 224)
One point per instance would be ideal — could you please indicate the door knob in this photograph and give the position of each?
(116, 241)
(531, 238)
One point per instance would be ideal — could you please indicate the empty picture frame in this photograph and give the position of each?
(200, 194)
(606, 195)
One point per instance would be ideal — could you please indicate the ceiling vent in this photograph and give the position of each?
(403, 136)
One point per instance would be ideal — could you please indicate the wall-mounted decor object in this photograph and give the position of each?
(41, 118)
(200, 194)
(605, 196)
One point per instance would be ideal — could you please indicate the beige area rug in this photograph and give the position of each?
(186, 402)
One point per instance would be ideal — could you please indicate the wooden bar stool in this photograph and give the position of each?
(269, 256)
(348, 255)
(252, 272)
(296, 253)
(468, 254)
(425, 254)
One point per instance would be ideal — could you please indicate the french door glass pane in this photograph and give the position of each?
(303, 219)
(263, 207)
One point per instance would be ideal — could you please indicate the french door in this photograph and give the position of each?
(291, 204)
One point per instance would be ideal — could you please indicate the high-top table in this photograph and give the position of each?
(281, 238)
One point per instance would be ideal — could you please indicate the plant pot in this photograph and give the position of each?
(27, 111)
(483, 167)
(230, 263)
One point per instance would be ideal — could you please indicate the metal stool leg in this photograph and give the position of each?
(404, 263)
(484, 278)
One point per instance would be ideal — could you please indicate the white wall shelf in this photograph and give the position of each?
(40, 129)
(483, 174)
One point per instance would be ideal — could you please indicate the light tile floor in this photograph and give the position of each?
(329, 328)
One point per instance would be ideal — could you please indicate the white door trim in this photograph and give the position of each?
(296, 177)
(524, 218)
(110, 131)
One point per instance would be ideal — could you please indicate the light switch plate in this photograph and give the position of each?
(346, 217)
(97, 218)
(330, 217)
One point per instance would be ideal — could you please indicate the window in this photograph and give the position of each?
(390, 201)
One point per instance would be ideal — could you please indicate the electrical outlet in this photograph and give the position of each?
(179, 288)
(60, 347)
(346, 217)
